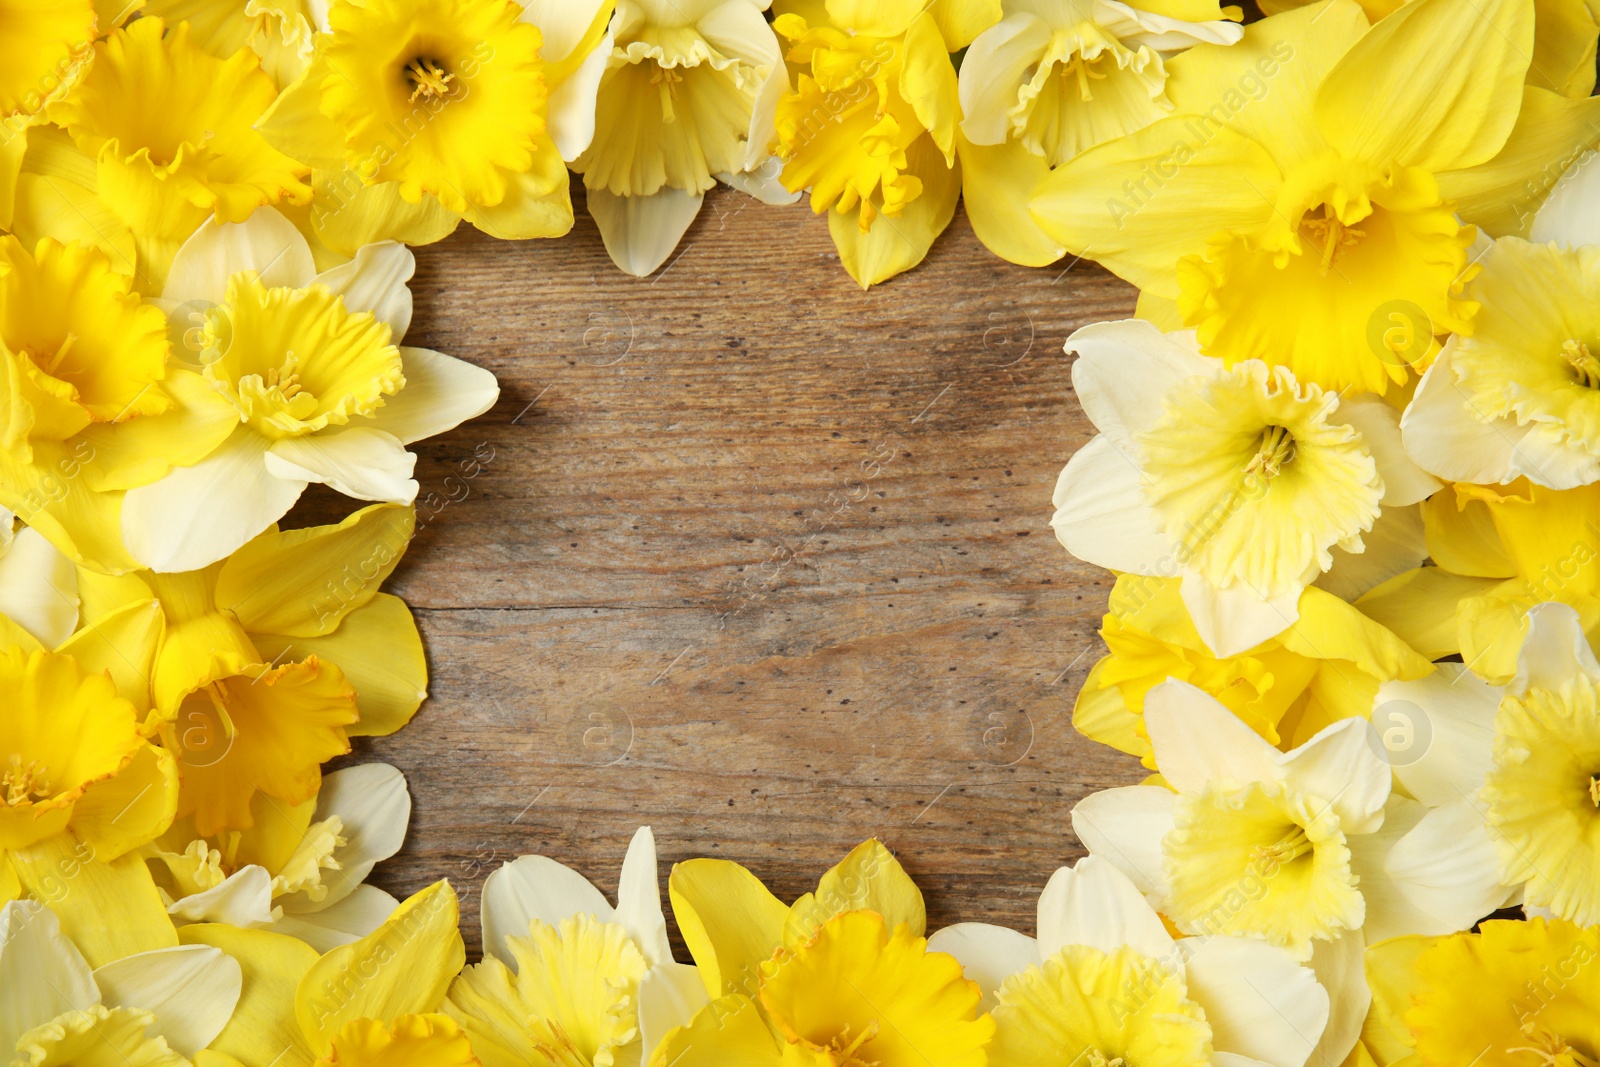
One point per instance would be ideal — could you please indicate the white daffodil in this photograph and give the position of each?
(1517, 768)
(687, 100)
(1055, 78)
(319, 386)
(1307, 850)
(1106, 983)
(1519, 397)
(300, 869)
(563, 969)
(151, 1009)
(38, 587)
(1240, 480)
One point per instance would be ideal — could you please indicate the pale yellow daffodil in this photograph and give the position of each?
(870, 128)
(686, 101)
(1303, 205)
(1054, 78)
(318, 387)
(416, 117)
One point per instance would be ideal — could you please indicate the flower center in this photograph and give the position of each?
(1552, 1050)
(667, 79)
(1276, 451)
(1329, 234)
(845, 1047)
(22, 784)
(1098, 1058)
(1082, 71)
(427, 78)
(1284, 851)
(1585, 366)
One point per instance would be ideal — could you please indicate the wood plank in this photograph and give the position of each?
(753, 557)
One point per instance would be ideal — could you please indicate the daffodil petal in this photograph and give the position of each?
(641, 232)
(109, 910)
(1122, 364)
(374, 808)
(263, 1029)
(441, 393)
(119, 814)
(1338, 967)
(988, 954)
(244, 898)
(997, 63)
(1445, 438)
(896, 243)
(1096, 904)
(124, 644)
(266, 243)
(639, 899)
(51, 206)
(1396, 544)
(730, 921)
(763, 183)
(352, 918)
(1126, 826)
(190, 989)
(13, 147)
(1259, 1002)
(1196, 740)
(568, 28)
(41, 970)
(1393, 979)
(1102, 516)
(139, 451)
(1570, 215)
(669, 996)
(538, 202)
(728, 1031)
(1340, 765)
(39, 588)
(197, 515)
(1464, 540)
(534, 887)
(1234, 620)
(1450, 714)
(996, 181)
(1379, 425)
(351, 214)
(1446, 866)
(869, 878)
(376, 281)
(358, 461)
(1555, 651)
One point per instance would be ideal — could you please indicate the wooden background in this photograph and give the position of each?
(755, 558)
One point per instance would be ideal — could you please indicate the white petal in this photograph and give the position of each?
(1126, 826)
(441, 393)
(1438, 732)
(351, 919)
(1341, 765)
(1443, 436)
(1549, 457)
(1397, 542)
(1340, 967)
(1102, 516)
(762, 183)
(266, 243)
(1379, 425)
(1234, 620)
(1448, 868)
(639, 898)
(1125, 368)
(1095, 904)
(374, 808)
(534, 887)
(38, 588)
(988, 954)
(640, 232)
(570, 110)
(42, 974)
(1197, 740)
(243, 899)
(358, 461)
(1390, 912)
(1162, 32)
(992, 73)
(1570, 215)
(197, 515)
(562, 24)
(375, 281)
(1260, 1002)
(190, 989)
(1554, 652)
(669, 995)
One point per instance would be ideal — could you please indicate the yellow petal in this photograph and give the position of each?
(1331, 629)
(404, 967)
(894, 244)
(109, 910)
(263, 1030)
(996, 181)
(1101, 714)
(49, 495)
(137, 452)
(123, 643)
(538, 203)
(1448, 72)
(413, 1041)
(725, 1032)
(1462, 537)
(1420, 608)
(56, 198)
(13, 146)
(1564, 39)
(379, 650)
(131, 809)
(928, 82)
(960, 21)
(295, 125)
(303, 583)
(868, 878)
(1393, 978)
(348, 214)
(730, 921)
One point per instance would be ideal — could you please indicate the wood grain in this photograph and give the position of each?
(755, 558)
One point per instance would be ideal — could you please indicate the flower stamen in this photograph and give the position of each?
(1084, 71)
(1553, 1051)
(667, 78)
(1583, 362)
(428, 79)
(846, 1053)
(23, 784)
(1289, 848)
(1333, 235)
(1594, 789)
(1276, 451)
(1098, 1059)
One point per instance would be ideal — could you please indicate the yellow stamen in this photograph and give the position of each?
(285, 380)
(1098, 1059)
(1084, 72)
(1332, 234)
(1293, 845)
(428, 78)
(1276, 452)
(1584, 362)
(667, 78)
(1552, 1050)
(846, 1053)
(22, 784)
(1594, 789)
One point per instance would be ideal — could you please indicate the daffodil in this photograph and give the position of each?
(417, 116)
(870, 129)
(319, 387)
(94, 406)
(150, 1009)
(1241, 481)
(1105, 981)
(1325, 667)
(563, 974)
(1511, 994)
(1307, 850)
(279, 32)
(1052, 79)
(300, 869)
(261, 668)
(1301, 204)
(842, 976)
(171, 130)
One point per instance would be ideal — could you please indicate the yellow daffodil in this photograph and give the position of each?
(150, 1009)
(1307, 850)
(279, 32)
(1241, 481)
(686, 101)
(94, 407)
(1300, 206)
(564, 972)
(1105, 981)
(1325, 667)
(1052, 79)
(44, 50)
(252, 662)
(842, 976)
(318, 386)
(870, 129)
(1511, 994)
(171, 131)
(417, 116)
(372, 1003)
(300, 869)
